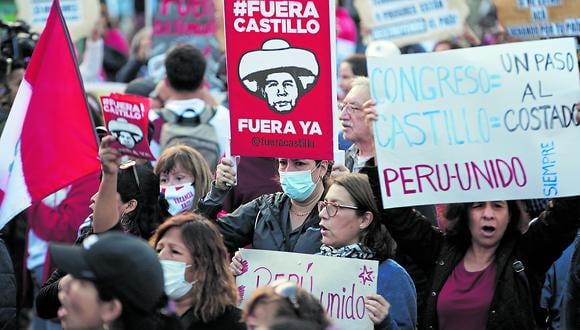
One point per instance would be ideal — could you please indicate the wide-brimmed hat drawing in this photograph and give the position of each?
(276, 56)
(120, 127)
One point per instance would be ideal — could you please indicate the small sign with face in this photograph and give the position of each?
(126, 119)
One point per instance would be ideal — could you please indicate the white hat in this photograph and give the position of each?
(121, 124)
(277, 54)
(382, 48)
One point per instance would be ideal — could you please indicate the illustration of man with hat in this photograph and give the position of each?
(278, 73)
(127, 134)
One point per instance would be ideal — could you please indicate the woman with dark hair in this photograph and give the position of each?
(127, 200)
(350, 228)
(197, 278)
(284, 300)
(351, 67)
(282, 221)
(105, 287)
(133, 189)
(481, 271)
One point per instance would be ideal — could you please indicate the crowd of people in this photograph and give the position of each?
(155, 245)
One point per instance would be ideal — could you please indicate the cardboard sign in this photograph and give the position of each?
(531, 19)
(340, 284)
(80, 15)
(185, 22)
(126, 118)
(485, 123)
(281, 77)
(412, 21)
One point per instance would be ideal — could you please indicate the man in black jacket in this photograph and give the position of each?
(7, 290)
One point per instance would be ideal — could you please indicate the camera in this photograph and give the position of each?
(16, 45)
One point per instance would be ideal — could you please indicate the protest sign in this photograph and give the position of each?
(486, 123)
(413, 21)
(532, 19)
(80, 15)
(340, 284)
(126, 118)
(281, 77)
(185, 22)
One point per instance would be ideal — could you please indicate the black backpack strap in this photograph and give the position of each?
(207, 114)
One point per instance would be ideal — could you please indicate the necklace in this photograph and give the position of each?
(299, 214)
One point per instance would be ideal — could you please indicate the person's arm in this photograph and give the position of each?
(106, 215)
(397, 287)
(47, 303)
(237, 228)
(414, 234)
(550, 234)
(213, 202)
(62, 222)
(571, 313)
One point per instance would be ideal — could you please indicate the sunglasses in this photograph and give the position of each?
(333, 207)
(131, 164)
(288, 291)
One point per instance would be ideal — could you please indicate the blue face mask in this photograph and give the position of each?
(298, 185)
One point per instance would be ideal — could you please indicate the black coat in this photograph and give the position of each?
(7, 290)
(537, 249)
(230, 319)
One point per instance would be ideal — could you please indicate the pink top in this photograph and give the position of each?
(345, 26)
(465, 298)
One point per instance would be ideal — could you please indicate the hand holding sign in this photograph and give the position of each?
(110, 157)
(377, 308)
(126, 118)
(225, 174)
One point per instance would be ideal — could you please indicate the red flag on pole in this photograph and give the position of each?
(48, 141)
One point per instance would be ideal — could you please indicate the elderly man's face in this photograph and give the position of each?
(352, 117)
(281, 91)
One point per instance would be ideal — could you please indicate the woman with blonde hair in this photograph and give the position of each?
(196, 273)
(184, 178)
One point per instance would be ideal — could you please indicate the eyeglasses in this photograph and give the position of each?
(349, 107)
(131, 164)
(332, 207)
(288, 291)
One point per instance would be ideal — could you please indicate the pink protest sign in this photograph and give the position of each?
(126, 119)
(280, 77)
(340, 284)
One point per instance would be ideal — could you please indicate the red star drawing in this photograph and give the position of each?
(366, 275)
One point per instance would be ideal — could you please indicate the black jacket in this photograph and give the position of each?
(537, 249)
(264, 223)
(7, 290)
(230, 319)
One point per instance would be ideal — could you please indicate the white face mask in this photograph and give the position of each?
(176, 287)
(179, 197)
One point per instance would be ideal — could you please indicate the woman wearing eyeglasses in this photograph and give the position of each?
(195, 269)
(350, 228)
(283, 221)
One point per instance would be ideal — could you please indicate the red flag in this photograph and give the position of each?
(48, 141)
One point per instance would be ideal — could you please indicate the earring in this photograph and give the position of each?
(105, 326)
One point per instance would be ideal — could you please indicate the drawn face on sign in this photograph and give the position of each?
(278, 74)
(280, 91)
(127, 134)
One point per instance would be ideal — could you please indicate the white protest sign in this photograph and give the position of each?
(80, 15)
(486, 123)
(412, 21)
(531, 19)
(340, 284)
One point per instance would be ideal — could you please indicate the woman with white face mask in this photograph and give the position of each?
(184, 178)
(196, 275)
(282, 221)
